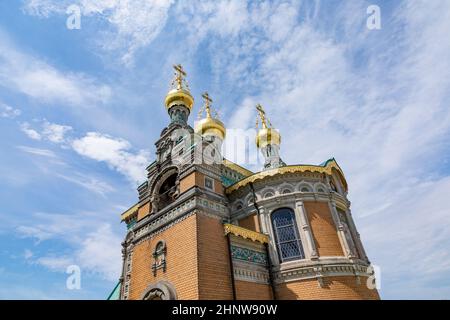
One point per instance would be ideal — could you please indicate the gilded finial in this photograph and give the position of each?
(262, 114)
(179, 93)
(179, 79)
(207, 106)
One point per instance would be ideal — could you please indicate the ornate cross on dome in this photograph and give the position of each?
(180, 74)
(208, 102)
(262, 115)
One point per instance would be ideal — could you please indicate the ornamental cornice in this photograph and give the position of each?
(327, 169)
(245, 233)
(320, 271)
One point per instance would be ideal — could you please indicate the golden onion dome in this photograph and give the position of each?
(267, 136)
(210, 126)
(180, 91)
(179, 96)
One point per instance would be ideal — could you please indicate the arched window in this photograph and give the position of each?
(286, 235)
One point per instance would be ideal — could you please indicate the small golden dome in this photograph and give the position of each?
(266, 135)
(180, 91)
(210, 126)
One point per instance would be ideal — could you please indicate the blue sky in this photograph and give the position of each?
(81, 109)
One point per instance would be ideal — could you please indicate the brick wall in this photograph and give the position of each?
(335, 288)
(187, 182)
(246, 290)
(181, 260)
(144, 211)
(251, 222)
(198, 179)
(214, 272)
(323, 229)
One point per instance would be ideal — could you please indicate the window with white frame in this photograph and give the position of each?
(287, 238)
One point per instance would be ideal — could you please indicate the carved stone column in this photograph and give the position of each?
(356, 236)
(343, 233)
(266, 228)
(303, 224)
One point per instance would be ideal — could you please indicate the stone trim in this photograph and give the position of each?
(249, 272)
(319, 271)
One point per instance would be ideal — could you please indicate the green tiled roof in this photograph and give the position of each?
(115, 294)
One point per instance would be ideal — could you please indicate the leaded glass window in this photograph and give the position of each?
(286, 235)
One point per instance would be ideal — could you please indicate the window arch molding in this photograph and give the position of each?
(267, 192)
(162, 290)
(305, 187)
(288, 242)
(320, 188)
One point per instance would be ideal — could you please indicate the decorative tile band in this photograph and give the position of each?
(248, 255)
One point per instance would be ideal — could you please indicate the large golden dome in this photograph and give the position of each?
(210, 126)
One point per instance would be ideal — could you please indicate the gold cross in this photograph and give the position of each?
(262, 115)
(179, 75)
(208, 102)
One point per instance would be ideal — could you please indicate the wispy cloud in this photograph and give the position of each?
(7, 111)
(39, 152)
(133, 23)
(37, 79)
(114, 152)
(30, 132)
(94, 245)
(89, 183)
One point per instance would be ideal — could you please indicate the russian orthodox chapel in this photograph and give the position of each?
(204, 227)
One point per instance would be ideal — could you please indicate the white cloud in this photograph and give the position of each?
(27, 254)
(93, 244)
(31, 133)
(55, 263)
(55, 132)
(52, 132)
(87, 182)
(134, 23)
(37, 79)
(37, 151)
(8, 111)
(34, 232)
(114, 152)
(100, 252)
